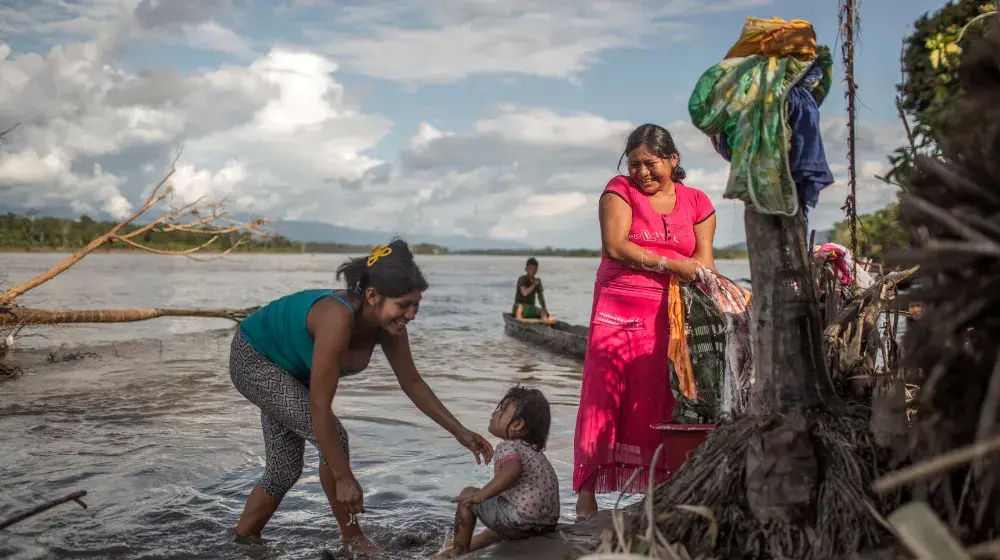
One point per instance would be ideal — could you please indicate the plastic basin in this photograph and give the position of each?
(679, 441)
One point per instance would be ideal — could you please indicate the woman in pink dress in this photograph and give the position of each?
(652, 227)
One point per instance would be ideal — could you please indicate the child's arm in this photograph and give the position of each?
(507, 471)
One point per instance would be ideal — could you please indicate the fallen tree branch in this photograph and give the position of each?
(74, 497)
(33, 316)
(201, 218)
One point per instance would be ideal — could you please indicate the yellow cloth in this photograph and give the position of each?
(775, 37)
(678, 350)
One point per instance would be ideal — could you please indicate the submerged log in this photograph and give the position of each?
(23, 316)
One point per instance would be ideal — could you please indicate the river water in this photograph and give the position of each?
(143, 416)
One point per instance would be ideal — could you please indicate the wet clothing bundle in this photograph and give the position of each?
(760, 107)
(843, 264)
(713, 374)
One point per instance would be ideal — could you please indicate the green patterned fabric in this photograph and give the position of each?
(706, 336)
(745, 98)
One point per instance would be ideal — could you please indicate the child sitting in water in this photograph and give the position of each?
(522, 500)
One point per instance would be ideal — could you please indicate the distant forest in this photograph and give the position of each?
(25, 233)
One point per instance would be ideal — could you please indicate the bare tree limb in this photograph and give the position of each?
(9, 130)
(74, 497)
(198, 217)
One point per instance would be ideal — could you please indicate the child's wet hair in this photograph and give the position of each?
(532, 408)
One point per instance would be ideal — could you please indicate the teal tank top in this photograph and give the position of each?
(278, 331)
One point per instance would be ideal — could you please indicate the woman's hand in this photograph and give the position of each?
(686, 270)
(477, 444)
(349, 494)
(468, 499)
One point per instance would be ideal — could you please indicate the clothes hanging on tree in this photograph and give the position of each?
(806, 156)
(843, 263)
(745, 105)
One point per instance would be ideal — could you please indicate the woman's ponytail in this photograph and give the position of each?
(678, 174)
(390, 269)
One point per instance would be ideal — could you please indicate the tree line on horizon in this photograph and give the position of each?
(31, 233)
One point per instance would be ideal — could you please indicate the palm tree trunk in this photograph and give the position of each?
(787, 327)
(791, 381)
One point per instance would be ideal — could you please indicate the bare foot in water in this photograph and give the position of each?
(446, 553)
(586, 506)
(362, 545)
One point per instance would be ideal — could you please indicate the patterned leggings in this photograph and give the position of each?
(284, 414)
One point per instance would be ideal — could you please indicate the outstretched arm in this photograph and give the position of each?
(397, 352)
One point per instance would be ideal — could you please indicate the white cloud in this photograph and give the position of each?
(192, 184)
(535, 175)
(272, 134)
(189, 23)
(441, 41)
(278, 134)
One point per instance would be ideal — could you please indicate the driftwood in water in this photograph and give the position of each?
(74, 497)
(32, 316)
(206, 219)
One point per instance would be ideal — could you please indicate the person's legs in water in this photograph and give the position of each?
(586, 502)
(283, 451)
(287, 422)
(465, 524)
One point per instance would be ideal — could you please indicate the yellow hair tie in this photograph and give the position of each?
(377, 253)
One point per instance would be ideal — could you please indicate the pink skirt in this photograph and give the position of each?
(626, 389)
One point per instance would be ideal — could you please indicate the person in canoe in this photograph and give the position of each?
(653, 228)
(289, 357)
(529, 285)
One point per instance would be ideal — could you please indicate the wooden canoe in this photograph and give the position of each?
(562, 338)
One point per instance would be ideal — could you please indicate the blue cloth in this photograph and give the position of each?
(806, 156)
(278, 331)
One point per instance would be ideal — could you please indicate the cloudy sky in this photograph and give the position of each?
(498, 118)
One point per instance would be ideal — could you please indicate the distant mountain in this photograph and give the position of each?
(321, 232)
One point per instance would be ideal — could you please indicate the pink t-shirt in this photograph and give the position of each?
(668, 235)
(535, 494)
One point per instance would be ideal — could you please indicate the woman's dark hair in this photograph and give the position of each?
(532, 408)
(656, 139)
(393, 275)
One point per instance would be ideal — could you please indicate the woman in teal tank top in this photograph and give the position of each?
(288, 359)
